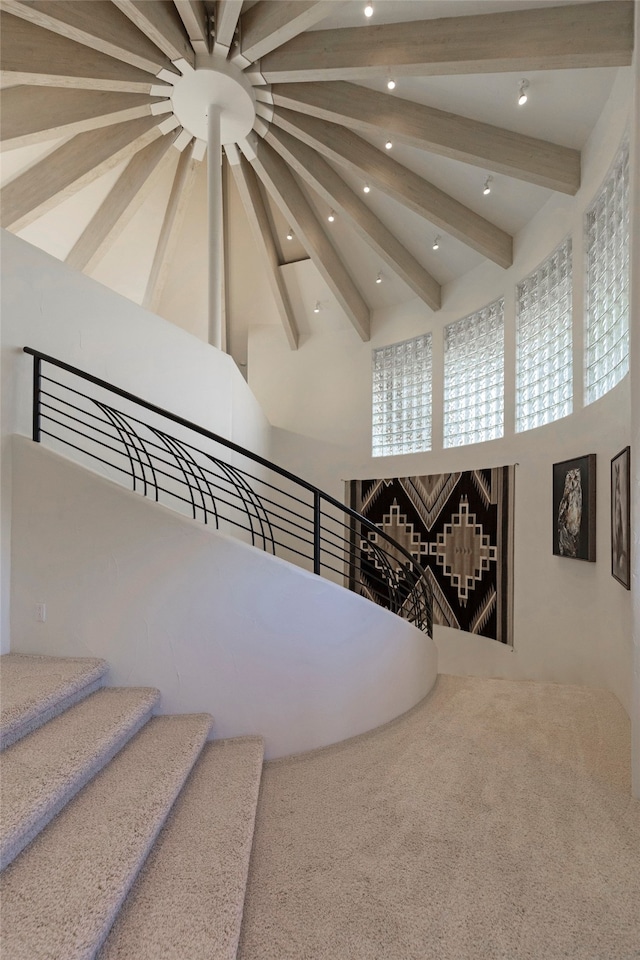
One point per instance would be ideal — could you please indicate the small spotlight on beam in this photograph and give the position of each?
(487, 185)
(523, 86)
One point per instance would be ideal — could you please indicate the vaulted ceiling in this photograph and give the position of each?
(92, 136)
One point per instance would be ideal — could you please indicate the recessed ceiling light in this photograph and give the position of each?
(436, 243)
(379, 278)
(388, 144)
(487, 185)
(366, 188)
(331, 217)
(523, 86)
(391, 84)
(290, 234)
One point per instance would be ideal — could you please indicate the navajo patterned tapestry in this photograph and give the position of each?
(459, 526)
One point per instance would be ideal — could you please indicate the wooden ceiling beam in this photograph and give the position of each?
(32, 55)
(447, 134)
(171, 224)
(33, 115)
(195, 18)
(66, 170)
(226, 20)
(123, 200)
(266, 25)
(287, 193)
(160, 21)
(316, 172)
(573, 36)
(97, 24)
(256, 210)
(405, 186)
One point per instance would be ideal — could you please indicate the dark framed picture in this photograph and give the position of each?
(574, 508)
(621, 517)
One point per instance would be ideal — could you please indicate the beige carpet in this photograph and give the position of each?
(43, 771)
(492, 821)
(187, 901)
(35, 689)
(62, 893)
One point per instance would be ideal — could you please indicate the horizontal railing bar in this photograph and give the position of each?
(170, 493)
(141, 448)
(384, 570)
(372, 576)
(183, 443)
(133, 437)
(229, 444)
(240, 506)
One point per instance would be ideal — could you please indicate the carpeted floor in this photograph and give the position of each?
(493, 821)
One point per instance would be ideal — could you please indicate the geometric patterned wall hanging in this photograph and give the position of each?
(459, 527)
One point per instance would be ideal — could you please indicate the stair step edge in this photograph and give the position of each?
(55, 701)
(128, 801)
(79, 771)
(195, 876)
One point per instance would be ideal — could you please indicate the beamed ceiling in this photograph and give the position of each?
(90, 140)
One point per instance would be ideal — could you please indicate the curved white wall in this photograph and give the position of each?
(216, 625)
(572, 620)
(49, 306)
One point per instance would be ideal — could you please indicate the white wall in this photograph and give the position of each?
(216, 625)
(56, 310)
(572, 620)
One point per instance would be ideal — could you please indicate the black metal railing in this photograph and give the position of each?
(243, 494)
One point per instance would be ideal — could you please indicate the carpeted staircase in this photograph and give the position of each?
(122, 835)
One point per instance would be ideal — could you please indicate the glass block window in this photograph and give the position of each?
(402, 397)
(607, 306)
(474, 377)
(544, 343)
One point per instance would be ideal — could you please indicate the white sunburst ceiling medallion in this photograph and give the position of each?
(215, 81)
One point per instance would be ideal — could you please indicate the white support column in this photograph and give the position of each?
(216, 245)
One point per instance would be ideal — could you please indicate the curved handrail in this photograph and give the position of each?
(418, 595)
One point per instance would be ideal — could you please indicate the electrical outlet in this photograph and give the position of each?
(41, 612)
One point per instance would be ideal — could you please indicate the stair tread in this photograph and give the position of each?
(188, 899)
(35, 688)
(61, 895)
(44, 770)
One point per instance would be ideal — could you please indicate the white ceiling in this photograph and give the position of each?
(563, 107)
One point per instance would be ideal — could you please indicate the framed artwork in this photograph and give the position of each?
(574, 508)
(621, 518)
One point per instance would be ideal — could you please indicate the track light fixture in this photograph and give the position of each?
(366, 188)
(523, 86)
(388, 145)
(436, 243)
(331, 216)
(316, 309)
(487, 185)
(368, 10)
(290, 234)
(391, 84)
(379, 278)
